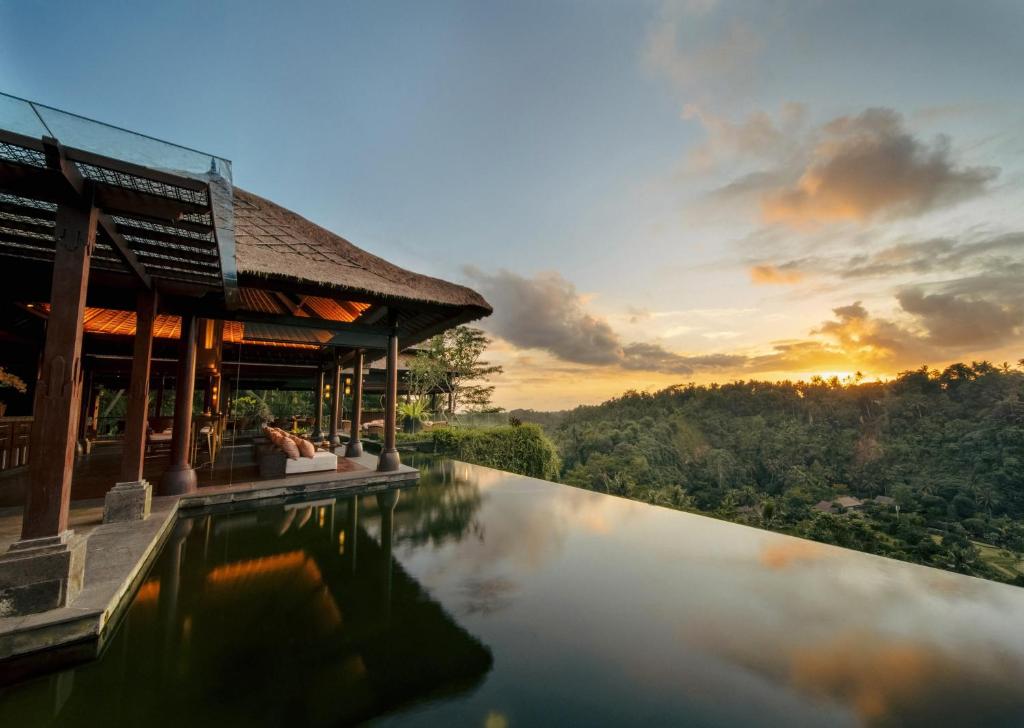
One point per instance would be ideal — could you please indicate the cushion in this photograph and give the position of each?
(290, 448)
(306, 448)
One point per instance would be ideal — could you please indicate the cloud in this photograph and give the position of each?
(775, 275)
(701, 52)
(758, 136)
(869, 166)
(990, 266)
(933, 324)
(959, 321)
(654, 357)
(547, 312)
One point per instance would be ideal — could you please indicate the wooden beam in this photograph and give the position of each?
(137, 231)
(59, 388)
(56, 159)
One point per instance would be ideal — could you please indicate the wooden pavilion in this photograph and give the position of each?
(106, 234)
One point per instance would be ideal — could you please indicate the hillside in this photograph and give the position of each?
(945, 450)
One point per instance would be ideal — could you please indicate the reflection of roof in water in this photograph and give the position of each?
(399, 645)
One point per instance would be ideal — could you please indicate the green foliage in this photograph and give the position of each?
(414, 409)
(250, 407)
(524, 449)
(451, 361)
(947, 446)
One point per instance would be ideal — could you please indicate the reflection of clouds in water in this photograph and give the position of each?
(785, 553)
(487, 596)
(914, 673)
(799, 629)
(881, 678)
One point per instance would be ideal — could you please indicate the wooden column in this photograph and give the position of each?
(318, 407)
(335, 404)
(59, 389)
(389, 459)
(136, 417)
(355, 446)
(180, 477)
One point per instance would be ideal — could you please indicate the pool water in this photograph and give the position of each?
(487, 599)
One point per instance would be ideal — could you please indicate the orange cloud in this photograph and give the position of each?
(784, 553)
(772, 275)
(871, 165)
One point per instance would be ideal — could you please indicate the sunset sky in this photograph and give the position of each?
(648, 193)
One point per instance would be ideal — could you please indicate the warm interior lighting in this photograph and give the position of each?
(149, 592)
(253, 567)
(122, 323)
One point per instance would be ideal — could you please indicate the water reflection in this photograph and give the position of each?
(595, 609)
(296, 614)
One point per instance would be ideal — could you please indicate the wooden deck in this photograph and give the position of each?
(96, 473)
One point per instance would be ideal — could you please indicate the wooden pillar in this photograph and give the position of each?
(180, 477)
(136, 418)
(318, 407)
(58, 393)
(355, 446)
(335, 404)
(389, 459)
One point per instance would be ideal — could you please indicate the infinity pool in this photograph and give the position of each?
(487, 599)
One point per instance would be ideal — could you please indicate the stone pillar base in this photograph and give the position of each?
(179, 482)
(388, 461)
(40, 574)
(354, 449)
(128, 501)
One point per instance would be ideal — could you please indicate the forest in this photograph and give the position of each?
(944, 449)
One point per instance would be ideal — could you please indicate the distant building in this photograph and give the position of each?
(884, 500)
(824, 507)
(849, 503)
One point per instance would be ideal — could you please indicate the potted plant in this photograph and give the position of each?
(413, 413)
(7, 379)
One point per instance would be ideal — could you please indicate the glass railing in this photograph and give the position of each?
(36, 120)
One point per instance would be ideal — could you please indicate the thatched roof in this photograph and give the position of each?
(274, 242)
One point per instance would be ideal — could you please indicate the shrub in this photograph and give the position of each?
(523, 449)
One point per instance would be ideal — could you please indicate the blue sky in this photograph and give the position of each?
(653, 192)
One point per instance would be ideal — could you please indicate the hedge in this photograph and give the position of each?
(523, 449)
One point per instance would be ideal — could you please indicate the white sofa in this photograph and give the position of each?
(321, 460)
(273, 463)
